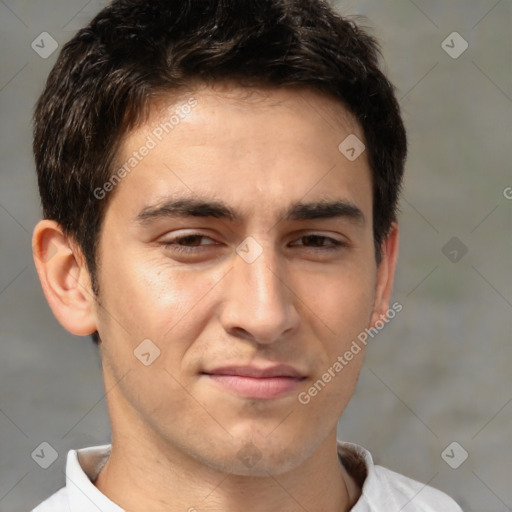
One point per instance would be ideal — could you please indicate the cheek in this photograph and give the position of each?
(152, 298)
(342, 300)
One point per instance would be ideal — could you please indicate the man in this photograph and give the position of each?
(219, 184)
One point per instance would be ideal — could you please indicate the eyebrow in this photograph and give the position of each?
(196, 207)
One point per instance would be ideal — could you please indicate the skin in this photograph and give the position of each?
(176, 435)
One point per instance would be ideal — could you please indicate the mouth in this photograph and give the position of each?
(256, 383)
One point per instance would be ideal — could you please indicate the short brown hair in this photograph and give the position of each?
(107, 75)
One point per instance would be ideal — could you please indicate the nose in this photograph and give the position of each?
(260, 304)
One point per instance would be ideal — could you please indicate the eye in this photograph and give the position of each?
(317, 242)
(187, 243)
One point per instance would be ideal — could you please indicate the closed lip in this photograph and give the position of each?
(280, 370)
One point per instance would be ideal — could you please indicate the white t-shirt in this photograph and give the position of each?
(383, 490)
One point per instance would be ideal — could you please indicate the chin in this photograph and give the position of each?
(258, 457)
(261, 465)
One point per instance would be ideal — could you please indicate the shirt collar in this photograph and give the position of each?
(376, 493)
(82, 468)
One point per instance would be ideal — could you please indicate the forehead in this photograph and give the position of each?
(265, 102)
(250, 146)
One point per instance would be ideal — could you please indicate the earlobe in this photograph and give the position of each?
(385, 275)
(64, 278)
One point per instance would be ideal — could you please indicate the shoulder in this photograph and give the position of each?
(383, 489)
(57, 502)
(411, 495)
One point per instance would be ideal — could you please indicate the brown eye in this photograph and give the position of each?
(187, 243)
(317, 242)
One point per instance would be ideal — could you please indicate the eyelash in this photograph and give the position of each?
(172, 244)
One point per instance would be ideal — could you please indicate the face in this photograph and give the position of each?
(237, 264)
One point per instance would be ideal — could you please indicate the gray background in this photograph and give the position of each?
(439, 372)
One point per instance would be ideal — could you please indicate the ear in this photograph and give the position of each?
(385, 275)
(64, 278)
